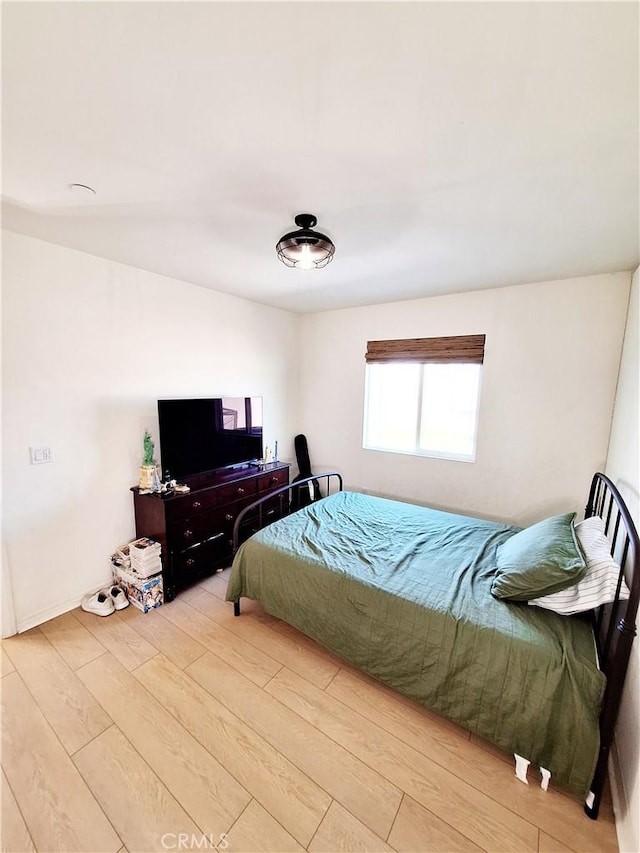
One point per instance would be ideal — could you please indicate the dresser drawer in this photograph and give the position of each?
(236, 491)
(197, 562)
(273, 480)
(190, 505)
(189, 531)
(232, 511)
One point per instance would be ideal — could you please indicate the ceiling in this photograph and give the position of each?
(443, 146)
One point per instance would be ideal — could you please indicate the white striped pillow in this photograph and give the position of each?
(598, 586)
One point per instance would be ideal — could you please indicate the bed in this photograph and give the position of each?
(404, 593)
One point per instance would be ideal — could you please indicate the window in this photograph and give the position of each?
(422, 396)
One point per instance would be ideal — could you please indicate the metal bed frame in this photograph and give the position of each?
(614, 625)
(285, 507)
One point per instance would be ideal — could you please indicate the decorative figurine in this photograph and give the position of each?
(147, 443)
(148, 474)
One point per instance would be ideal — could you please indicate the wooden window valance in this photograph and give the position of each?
(467, 349)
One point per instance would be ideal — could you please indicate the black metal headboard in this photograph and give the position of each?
(615, 624)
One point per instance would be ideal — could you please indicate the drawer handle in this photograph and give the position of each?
(196, 504)
(229, 517)
(274, 480)
(191, 562)
(188, 534)
(240, 490)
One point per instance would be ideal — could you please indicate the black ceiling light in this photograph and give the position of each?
(305, 249)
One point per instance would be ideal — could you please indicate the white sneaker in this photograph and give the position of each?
(100, 603)
(119, 598)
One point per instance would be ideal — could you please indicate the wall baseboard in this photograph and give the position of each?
(40, 616)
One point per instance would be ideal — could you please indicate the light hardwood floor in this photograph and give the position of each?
(186, 728)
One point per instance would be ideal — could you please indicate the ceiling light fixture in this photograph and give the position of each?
(305, 249)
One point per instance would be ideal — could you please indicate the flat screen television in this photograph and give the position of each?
(204, 434)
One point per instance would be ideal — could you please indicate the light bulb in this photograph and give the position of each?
(306, 258)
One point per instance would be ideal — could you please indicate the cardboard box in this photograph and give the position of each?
(143, 593)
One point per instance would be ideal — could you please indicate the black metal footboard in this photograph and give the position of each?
(278, 504)
(614, 624)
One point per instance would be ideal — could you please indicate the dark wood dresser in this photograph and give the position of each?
(195, 528)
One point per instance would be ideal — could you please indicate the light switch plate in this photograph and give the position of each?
(40, 455)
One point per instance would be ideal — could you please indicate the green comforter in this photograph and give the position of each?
(403, 593)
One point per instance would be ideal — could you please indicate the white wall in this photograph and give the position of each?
(89, 346)
(623, 467)
(551, 362)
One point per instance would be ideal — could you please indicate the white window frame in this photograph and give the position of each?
(417, 451)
